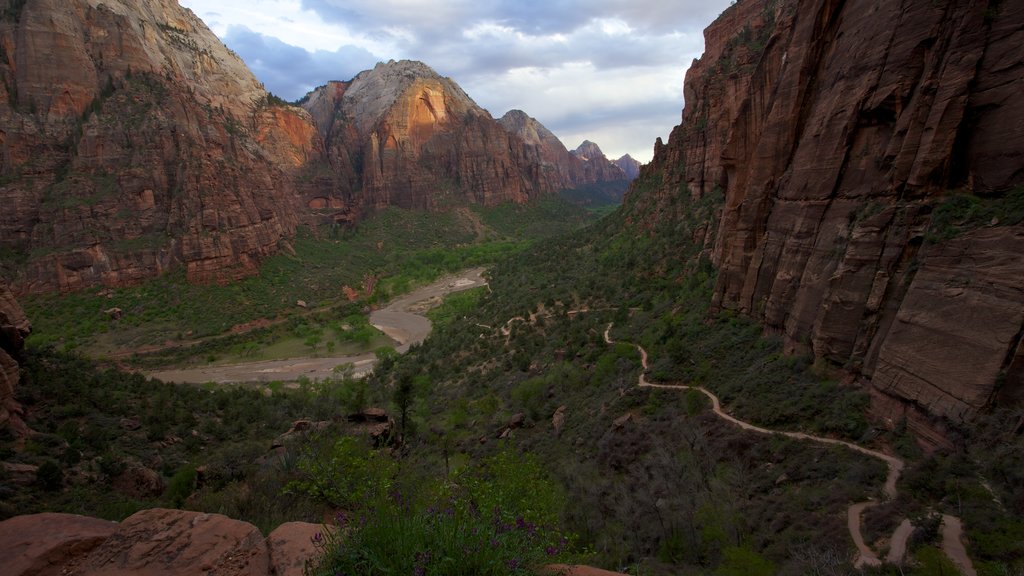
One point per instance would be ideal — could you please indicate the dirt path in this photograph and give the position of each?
(898, 543)
(402, 320)
(952, 531)
(953, 544)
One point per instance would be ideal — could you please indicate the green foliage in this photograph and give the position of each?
(742, 561)
(344, 473)
(400, 248)
(962, 212)
(50, 476)
(932, 562)
(86, 417)
(180, 486)
(493, 520)
(456, 305)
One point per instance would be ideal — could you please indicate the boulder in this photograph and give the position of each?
(159, 542)
(138, 481)
(294, 546)
(44, 544)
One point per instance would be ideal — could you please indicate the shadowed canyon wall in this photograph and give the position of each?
(871, 160)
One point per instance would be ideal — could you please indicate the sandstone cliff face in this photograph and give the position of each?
(404, 136)
(14, 327)
(838, 134)
(133, 142)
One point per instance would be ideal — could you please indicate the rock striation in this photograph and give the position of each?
(598, 167)
(573, 168)
(854, 147)
(14, 327)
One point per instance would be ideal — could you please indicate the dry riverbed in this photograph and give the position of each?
(402, 320)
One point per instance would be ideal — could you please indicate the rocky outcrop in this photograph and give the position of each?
(45, 544)
(629, 166)
(14, 327)
(152, 542)
(856, 148)
(405, 136)
(134, 142)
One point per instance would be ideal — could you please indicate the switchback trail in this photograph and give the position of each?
(952, 531)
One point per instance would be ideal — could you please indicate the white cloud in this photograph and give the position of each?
(606, 70)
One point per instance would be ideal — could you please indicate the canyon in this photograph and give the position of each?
(850, 157)
(136, 144)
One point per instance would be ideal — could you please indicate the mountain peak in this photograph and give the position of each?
(629, 165)
(528, 128)
(373, 92)
(588, 150)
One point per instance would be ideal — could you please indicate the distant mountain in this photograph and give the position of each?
(575, 170)
(134, 142)
(403, 135)
(629, 166)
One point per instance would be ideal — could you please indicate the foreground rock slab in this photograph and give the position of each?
(183, 543)
(44, 544)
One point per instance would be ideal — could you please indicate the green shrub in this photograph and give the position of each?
(50, 475)
(495, 520)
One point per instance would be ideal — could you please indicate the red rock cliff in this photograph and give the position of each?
(133, 142)
(871, 159)
(403, 135)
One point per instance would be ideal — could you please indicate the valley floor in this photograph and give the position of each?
(401, 320)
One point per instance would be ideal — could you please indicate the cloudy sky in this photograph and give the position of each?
(610, 71)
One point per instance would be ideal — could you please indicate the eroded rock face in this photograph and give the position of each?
(833, 131)
(405, 136)
(597, 166)
(294, 547)
(585, 165)
(14, 327)
(134, 142)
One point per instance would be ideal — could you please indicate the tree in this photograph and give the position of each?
(403, 398)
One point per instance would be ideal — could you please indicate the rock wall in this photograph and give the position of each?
(842, 136)
(134, 141)
(404, 136)
(14, 327)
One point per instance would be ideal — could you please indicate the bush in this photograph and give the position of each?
(50, 476)
(496, 520)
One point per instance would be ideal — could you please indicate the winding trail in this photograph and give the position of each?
(952, 530)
